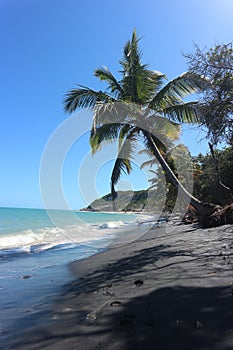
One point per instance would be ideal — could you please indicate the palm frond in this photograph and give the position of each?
(118, 112)
(153, 79)
(126, 131)
(183, 113)
(147, 136)
(111, 112)
(148, 83)
(121, 165)
(84, 97)
(163, 129)
(132, 54)
(108, 133)
(177, 89)
(147, 163)
(104, 73)
(123, 162)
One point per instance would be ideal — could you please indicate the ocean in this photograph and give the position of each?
(36, 247)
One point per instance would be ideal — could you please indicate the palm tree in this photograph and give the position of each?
(138, 105)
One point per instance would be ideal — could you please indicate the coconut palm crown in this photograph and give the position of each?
(154, 104)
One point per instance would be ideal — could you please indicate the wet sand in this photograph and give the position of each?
(170, 289)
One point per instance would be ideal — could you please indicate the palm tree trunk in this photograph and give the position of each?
(187, 197)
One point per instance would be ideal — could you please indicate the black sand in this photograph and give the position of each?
(171, 289)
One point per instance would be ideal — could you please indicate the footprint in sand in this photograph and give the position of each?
(115, 303)
(138, 283)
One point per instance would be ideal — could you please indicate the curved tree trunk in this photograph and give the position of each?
(202, 208)
(210, 215)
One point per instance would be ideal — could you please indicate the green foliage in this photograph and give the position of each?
(216, 105)
(206, 185)
(179, 160)
(126, 201)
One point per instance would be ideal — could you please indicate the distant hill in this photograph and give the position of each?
(126, 201)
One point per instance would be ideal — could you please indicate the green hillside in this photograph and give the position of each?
(127, 201)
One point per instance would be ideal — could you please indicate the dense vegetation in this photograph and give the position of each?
(213, 178)
(207, 176)
(206, 186)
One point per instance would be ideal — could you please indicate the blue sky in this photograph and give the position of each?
(48, 46)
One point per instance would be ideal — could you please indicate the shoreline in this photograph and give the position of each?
(172, 288)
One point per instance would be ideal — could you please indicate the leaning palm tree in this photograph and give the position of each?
(138, 106)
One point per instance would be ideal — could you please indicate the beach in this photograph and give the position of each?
(170, 289)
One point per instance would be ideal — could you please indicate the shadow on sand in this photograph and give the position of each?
(169, 317)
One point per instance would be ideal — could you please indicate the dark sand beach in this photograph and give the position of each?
(170, 289)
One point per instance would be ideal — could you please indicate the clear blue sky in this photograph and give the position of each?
(48, 46)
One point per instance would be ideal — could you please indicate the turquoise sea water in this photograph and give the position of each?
(35, 248)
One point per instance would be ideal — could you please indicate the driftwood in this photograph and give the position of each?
(221, 216)
(211, 216)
